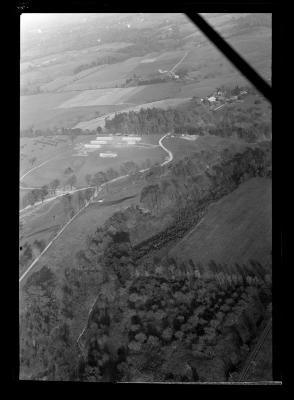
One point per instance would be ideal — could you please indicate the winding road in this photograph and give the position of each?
(168, 160)
(170, 154)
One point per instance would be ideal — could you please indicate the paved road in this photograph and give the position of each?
(40, 203)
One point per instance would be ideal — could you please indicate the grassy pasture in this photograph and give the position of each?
(34, 109)
(74, 237)
(100, 97)
(43, 223)
(181, 148)
(255, 48)
(237, 228)
(62, 65)
(106, 75)
(116, 74)
(163, 61)
(155, 92)
(42, 111)
(33, 147)
(92, 163)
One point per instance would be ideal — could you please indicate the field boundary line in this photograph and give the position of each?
(179, 62)
(55, 197)
(255, 351)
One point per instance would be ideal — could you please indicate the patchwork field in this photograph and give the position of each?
(105, 75)
(164, 61)
(237, 228)
(52, 66)
(100, 97)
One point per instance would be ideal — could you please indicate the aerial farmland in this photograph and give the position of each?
(145, 232)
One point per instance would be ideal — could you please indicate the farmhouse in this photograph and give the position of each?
(211, 99)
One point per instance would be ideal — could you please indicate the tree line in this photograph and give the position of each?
(247, 125)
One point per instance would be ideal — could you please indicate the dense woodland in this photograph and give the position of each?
(248, 125)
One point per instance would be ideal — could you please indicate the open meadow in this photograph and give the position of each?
(65, 156)
(235, 229)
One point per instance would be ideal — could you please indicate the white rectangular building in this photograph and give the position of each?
(99, 141)
(132, 138)
(92, 146)
(104, 138)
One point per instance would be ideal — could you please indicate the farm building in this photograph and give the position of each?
(132, 138)
(211, 99)
(99, 142)
(189, 137)
(104, 138)
(92, 146)
(108, 154)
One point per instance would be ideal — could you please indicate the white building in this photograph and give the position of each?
(211, 99)
(108, 154)
(92, 146)
(99, 142)
(104, 138)
(132, 138)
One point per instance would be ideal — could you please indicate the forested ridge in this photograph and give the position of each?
(156, 320)
(248, 125)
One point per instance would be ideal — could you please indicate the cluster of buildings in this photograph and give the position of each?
(101, 141)
(219, 97)
(170, 74)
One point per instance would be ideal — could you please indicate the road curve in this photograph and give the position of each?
(84, 188)
(170, 154)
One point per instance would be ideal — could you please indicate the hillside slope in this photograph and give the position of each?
(235, 229)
